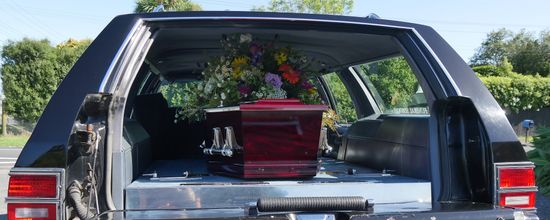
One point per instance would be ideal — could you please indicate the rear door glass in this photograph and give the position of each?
(394, 86)
(341, 98)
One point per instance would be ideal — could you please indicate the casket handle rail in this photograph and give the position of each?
(217, 148)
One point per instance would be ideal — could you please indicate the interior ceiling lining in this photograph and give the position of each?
(182, 50)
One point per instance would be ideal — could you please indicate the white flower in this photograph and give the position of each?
(222, 96)
(245, 38)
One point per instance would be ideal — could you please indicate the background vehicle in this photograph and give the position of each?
(107, 145)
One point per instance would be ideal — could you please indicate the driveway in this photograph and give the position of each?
(8, 155)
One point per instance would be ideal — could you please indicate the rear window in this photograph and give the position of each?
(394, 86)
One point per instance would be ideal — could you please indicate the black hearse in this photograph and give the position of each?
(107, 145)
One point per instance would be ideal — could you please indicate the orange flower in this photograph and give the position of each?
(291, 75)
(285, 68)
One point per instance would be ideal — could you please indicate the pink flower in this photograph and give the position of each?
(244, 90)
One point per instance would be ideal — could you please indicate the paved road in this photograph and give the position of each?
(8, 156)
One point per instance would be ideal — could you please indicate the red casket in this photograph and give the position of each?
(265, 139)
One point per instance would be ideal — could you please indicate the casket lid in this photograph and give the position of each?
(270, 105)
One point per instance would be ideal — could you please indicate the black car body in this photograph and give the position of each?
(467, 137)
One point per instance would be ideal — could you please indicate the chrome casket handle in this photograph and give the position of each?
(225, 149)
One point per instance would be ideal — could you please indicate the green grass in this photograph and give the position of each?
(522, 138)
(13, 140)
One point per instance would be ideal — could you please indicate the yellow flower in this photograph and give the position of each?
(281, 57)
(330, 118)
(312, 91)
(238, 64)
(239, 61)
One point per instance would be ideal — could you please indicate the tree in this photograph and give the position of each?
(394, 81)
(32, 71)
(527, 53)
(333, 7)
(144, 6)
(344, 104)
(493, 49)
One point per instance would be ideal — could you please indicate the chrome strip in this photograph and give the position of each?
(518, 189)
(451, 80)
(366, 91)
(118, 54)
(140, 21)
(273, 19)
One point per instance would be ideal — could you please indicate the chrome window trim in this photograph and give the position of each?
(497, 191)
(365, 90)
(60, 195)
(141, 21)
(115, 60)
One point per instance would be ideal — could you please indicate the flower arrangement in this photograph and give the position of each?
(249, 70)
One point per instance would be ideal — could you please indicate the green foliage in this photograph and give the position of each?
(527, 53)
(333, 7)
(31, 72)
(394, 81)
(519, 92)
(344, 105)
(486, 70)
(173, 93)
(503, 69)
(493, 49)
(144, 6)
(541, 157)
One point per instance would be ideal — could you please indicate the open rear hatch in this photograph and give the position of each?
(186, 184)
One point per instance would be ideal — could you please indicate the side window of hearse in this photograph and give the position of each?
(394, 86)
(343, 103)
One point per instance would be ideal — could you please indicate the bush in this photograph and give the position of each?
(541, 157)
(519, 92)
(486, 70)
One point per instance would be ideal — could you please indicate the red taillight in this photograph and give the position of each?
(517, 199)
(516, 185)
(33, 186)
(516, 177)
(31, 211)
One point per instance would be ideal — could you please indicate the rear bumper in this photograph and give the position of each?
(499, 214)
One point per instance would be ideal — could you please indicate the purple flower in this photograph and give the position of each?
(244, 90)
(274, 80)
(256, 53)
(255, 49)
(306, 85)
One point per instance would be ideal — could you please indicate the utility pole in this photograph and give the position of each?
(4, 121)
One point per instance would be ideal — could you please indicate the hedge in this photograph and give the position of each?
(519, 92)
(541, 157)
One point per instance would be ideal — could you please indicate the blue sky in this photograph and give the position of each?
(464, 24)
